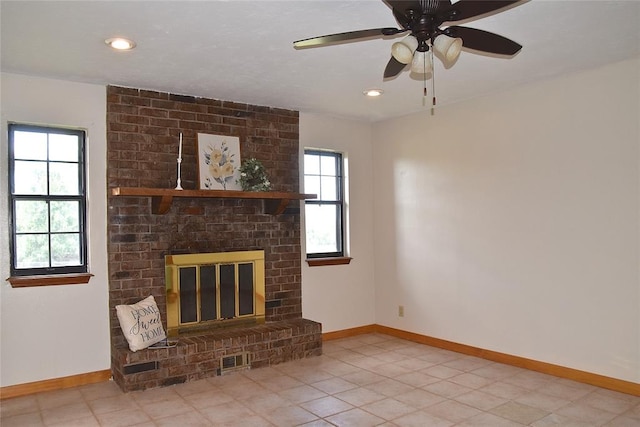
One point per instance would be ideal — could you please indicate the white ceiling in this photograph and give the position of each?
(242, 50)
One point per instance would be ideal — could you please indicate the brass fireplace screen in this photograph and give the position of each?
(210, 289)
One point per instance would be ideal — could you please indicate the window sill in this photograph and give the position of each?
(52, 280)
(320, 262)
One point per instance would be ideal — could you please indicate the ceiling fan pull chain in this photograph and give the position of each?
(424, 95)
(424, 80)
(425, 87)
(433, 82)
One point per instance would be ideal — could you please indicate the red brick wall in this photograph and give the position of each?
(143, 130)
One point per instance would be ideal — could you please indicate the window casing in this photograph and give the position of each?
(47, 199)
(325, 215)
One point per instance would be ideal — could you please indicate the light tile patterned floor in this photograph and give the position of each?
(368, 380)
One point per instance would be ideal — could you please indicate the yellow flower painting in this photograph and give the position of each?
(218, 162)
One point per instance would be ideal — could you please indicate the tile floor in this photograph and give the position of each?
(368, 380)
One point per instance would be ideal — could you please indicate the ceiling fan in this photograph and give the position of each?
(423, 18)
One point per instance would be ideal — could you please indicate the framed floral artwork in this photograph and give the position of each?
(218, 162)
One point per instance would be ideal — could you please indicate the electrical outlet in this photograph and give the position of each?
(401, 311)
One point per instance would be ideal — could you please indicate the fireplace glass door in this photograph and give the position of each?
(207, 288)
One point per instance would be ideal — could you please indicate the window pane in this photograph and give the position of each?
(245, 289)
(311, 164)
(328, 165)
(227, 291)
(312, 185)
(63, 178)
(188, 295)
(30, 145)
(65, 249)
(32, 216)
(30, 178)
(63, 147)
(208, 299)
(65, 216)
(321, 228)
(32, 251)
(328, 189)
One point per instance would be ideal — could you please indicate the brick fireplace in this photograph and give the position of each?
(143, 130)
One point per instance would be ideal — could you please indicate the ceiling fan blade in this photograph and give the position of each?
(465, 9)
(393, 68)
(343, 37)
(483, 40)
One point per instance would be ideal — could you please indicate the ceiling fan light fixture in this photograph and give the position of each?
(421, 63)
(448, 47)
(403, 50)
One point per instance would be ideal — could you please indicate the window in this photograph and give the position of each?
(324, 216)
(47, 201)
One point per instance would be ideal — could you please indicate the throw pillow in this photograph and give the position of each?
(141, 323)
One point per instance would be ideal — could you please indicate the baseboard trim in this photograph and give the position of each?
(346, 333)
(598, 380)
(18, 390)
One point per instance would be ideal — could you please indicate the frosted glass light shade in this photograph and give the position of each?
(448, 47)
(421, 63)
(411, 42)
(403, 51)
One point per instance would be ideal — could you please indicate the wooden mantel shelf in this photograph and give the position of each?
(274, 202)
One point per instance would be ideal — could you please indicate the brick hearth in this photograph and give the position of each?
(143, 130)
(198, 356)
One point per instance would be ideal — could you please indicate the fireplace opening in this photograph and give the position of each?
(209, 290)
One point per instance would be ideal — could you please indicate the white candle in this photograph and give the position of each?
(180, 149)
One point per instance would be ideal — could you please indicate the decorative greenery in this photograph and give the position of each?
(253, 176)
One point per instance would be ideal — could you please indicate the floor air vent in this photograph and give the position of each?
(234, 362)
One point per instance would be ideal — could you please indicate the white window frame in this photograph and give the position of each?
(340, 255)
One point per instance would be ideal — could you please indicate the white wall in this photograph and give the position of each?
(56, 331)
(342, 296)
(509, 222)
(512, 222)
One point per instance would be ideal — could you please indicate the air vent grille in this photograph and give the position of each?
(234, 362)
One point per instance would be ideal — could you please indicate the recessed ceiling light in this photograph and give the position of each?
(120, 43)
(373, 92)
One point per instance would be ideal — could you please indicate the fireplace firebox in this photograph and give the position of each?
(209, 290)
